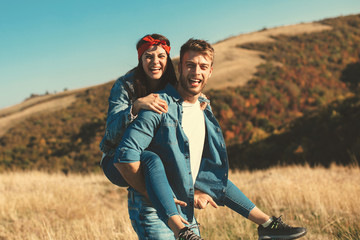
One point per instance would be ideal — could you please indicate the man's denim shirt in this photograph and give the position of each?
(163, 134)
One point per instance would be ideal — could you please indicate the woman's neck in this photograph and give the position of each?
(154, 84)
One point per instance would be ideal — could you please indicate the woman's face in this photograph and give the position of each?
(154, 61)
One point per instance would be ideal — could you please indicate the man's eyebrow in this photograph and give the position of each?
(189, 61)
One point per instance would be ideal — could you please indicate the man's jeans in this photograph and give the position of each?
(146, 221)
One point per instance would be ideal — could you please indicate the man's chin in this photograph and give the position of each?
(194, 92)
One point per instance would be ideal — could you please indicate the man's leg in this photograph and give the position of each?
(145, 219)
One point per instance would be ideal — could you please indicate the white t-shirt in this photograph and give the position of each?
(193, 124)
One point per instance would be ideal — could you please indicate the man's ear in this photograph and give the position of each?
(179, 67)
(211, 70)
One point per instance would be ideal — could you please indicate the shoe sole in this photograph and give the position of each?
(287, 237)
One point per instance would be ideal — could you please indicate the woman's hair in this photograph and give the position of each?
(141, 86)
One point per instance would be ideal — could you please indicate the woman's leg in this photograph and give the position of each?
(159, 190)
(111, 172)
(270, 228)
(236, 200)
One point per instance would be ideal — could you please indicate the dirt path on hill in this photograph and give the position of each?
(49, 106)
(233, 66)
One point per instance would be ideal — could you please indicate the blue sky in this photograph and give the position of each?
(52, 45)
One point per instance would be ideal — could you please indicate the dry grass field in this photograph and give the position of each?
(37, 205)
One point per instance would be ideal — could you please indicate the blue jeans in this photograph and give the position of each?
(157, 185)
(141, 211)
(236, 200)
(146, 221)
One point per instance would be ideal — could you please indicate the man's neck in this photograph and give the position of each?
(186, 96)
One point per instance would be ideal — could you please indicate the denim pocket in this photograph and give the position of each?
(168, 131)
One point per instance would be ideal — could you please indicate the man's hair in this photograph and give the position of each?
(197, 45)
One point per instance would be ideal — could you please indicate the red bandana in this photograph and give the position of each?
(151, 41)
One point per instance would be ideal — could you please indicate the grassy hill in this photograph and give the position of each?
(301, 105)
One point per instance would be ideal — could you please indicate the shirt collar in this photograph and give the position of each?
(172, 92)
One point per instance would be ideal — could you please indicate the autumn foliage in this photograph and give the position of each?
(302, 102)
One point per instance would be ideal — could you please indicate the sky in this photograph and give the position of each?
(49, 46)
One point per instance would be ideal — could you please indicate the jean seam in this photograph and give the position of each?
(240, 203)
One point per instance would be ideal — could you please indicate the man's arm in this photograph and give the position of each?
(133, 175)
(135, 140)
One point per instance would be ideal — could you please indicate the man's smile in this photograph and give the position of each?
(194, 82)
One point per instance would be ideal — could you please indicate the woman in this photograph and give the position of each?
(131, 93)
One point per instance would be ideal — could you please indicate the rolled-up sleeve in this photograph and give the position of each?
(138, 136)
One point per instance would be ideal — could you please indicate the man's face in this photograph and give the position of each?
(195, 70)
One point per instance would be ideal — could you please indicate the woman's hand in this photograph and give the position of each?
(150, 102)
(182, 204)
(203, 104)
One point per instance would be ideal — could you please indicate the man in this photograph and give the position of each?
(191, 146)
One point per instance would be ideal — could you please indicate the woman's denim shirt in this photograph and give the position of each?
(119, 115)
(163, 134)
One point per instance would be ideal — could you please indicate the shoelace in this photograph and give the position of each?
(190, 235)
(279, 222)
(195, 225)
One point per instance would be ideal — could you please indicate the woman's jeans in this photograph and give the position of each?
(157, 185)
(161, 195)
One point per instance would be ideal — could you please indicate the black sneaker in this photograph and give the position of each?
(280, 230)
(187, 234)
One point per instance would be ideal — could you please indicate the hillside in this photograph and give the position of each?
(268, 80)
(302, 104)
(233, 67)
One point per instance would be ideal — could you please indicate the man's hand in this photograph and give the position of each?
(201, 200)
(180, 203)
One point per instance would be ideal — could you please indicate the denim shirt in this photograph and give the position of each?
(119, 115)
(163, 134)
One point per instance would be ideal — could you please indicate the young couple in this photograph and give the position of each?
(163, 142)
